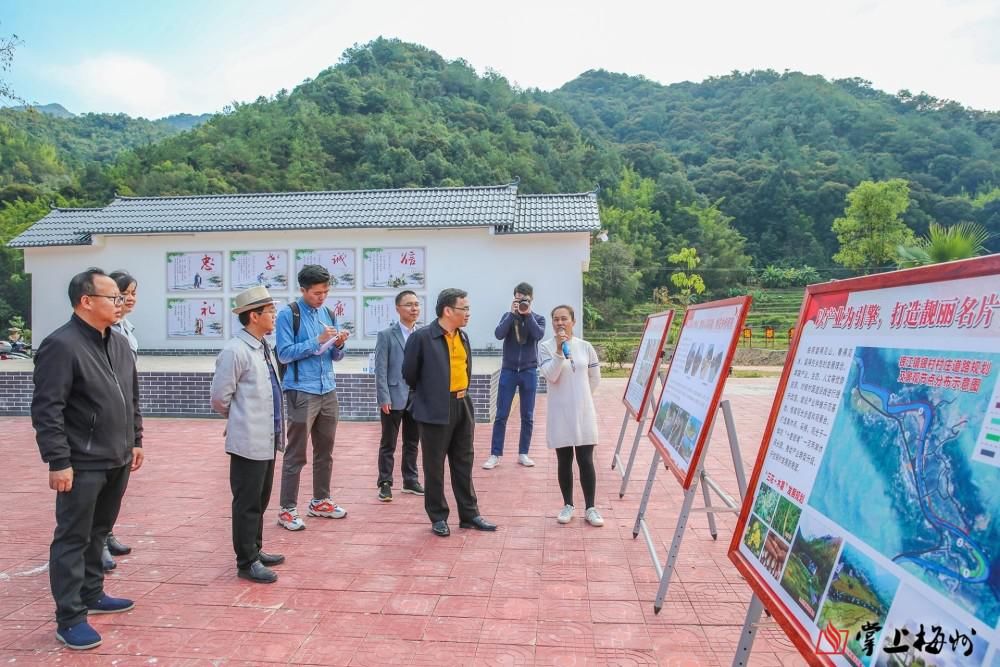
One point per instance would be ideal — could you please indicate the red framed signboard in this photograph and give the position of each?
(697, 373)
(872, 530)
(647, 362)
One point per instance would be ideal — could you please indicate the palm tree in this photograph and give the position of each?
(944, 244)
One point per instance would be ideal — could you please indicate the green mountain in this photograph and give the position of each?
(388, 115)
(783, 150)
(54, 109)
(92, 138)
(183, 121)
(747, 167)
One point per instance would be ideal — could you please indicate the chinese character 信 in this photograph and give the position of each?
(408, 258)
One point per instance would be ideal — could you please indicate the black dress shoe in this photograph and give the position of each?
(270, 559)
(440, 528)
(117, 548)
(479, 523)
(258, 572)
(107, 561)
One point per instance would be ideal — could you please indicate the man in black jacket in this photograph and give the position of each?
(437, 364)
(85, 411)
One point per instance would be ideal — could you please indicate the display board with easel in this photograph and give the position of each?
(872, 533)
(641, 386)
(685, 417)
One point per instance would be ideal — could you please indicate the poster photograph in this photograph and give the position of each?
(194, 271)
(394, 268)
(344, 312)
(694, 382)
(195, 318)
(340, 262)
(883, 447)
(642, 378)
(380, 312)
(258, 267)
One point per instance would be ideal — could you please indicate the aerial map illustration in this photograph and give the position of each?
(909, 440)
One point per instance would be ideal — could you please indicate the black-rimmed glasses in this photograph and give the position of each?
(118, 299)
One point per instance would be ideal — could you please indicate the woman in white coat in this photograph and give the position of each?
(572, 370)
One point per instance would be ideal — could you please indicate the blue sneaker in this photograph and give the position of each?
(109, 605)
(80, 636)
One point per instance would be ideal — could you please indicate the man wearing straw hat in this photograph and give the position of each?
(246, 391)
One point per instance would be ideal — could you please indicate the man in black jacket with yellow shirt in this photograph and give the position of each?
(85, 411)
(437, 364)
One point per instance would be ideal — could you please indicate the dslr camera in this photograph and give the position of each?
(523, 305)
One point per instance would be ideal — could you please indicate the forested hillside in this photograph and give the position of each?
(749, 169)
(783, 150)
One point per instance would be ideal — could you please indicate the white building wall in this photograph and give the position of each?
(486, 265)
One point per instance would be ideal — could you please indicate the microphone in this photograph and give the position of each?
(566, 353)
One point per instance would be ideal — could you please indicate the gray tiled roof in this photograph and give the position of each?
(493, 206)
(554, 213)
(62, 226)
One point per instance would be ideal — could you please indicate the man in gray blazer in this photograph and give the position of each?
(392, 394)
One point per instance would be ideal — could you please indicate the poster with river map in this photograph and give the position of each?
(883, 456)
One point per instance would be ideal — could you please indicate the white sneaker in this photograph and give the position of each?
(524, 460)
(288, 517)
(326, 508)
(566, 514)
(492, 462)
(594, 517)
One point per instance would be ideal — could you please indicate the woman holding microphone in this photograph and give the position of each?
(572, 370)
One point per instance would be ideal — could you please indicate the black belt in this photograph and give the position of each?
(459, 394)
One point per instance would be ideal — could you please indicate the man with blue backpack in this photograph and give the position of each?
(309, 342)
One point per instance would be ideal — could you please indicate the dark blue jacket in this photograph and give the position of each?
(520, 355)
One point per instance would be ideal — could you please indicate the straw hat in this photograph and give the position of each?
(251, 299)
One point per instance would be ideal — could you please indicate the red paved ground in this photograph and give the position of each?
(377, 588)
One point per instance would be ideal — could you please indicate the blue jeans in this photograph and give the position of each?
(526, 382)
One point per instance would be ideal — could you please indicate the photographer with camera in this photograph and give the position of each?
(520, 330)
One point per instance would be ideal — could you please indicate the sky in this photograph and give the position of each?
(163, 57)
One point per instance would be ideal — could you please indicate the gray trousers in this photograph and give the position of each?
(316, 416)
